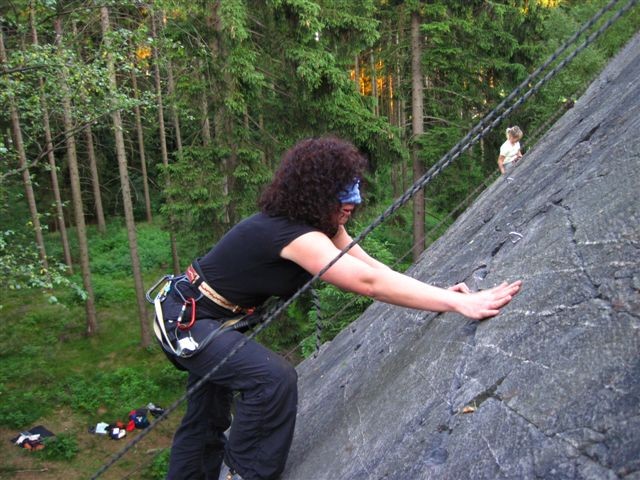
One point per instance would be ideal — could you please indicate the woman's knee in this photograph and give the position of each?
(282, 376)
(284, 370)
(291, 379)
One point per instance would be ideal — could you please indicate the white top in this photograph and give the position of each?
(509, 151)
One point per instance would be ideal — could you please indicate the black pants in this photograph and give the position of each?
(265, 409)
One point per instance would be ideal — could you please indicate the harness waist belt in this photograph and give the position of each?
(211, 294)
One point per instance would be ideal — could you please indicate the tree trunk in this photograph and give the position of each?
(263, 154)
(418, 129)
(357, 73)
(163, 138)
(93, 164)
(402, 105)
(76, 192)
(62, 228)
(22, 156)
(396, 117)
(204, 111)
(222, 124)
(124, 182)
(143, 159)
(374, 85)
(174, 110)
(55, 185)
(95, 180)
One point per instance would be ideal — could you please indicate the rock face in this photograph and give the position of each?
(551, 385)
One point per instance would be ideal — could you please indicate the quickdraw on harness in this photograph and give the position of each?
(182, 343)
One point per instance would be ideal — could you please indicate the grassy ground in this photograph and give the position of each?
(51, 374)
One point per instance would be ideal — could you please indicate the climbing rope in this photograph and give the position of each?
(315, 300)
(480, 130)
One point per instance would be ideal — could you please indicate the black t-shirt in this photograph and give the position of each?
(245, 266)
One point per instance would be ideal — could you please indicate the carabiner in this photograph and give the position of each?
(187, 326)
(155, 287)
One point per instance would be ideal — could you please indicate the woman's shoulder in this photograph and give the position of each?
(278, 230)
(275, 225)
(276, 220)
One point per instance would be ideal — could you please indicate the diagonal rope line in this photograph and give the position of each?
(461, 147)
(315, 300)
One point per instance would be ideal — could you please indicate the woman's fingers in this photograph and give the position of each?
(507, 288)
(504, 293)
(489, 302)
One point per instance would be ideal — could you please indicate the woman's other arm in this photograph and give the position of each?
(342, 239)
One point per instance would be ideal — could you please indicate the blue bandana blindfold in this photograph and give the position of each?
(351, 194)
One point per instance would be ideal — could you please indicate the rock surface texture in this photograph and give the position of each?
(551, 385)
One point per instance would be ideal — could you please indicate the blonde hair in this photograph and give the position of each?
(514, 132)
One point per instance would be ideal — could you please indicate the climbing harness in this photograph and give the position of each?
(195, 276)
(180, 341)
(467, 142)
(182, 346)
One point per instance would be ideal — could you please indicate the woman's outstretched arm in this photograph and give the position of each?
(314, 250)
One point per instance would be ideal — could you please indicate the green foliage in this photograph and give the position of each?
(338, 309)
(43, 344)
(286, 332)
(60, 447)
(233, 18)
(159, 466)
(195, 196)
(21, 267)
(20, 408)
(119, 391)
(110, 252)
(456, 182)
(170, 378)
(113, 290)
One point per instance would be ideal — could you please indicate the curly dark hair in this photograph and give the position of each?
(309, 179)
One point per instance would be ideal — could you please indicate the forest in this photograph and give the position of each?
(135, 133)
